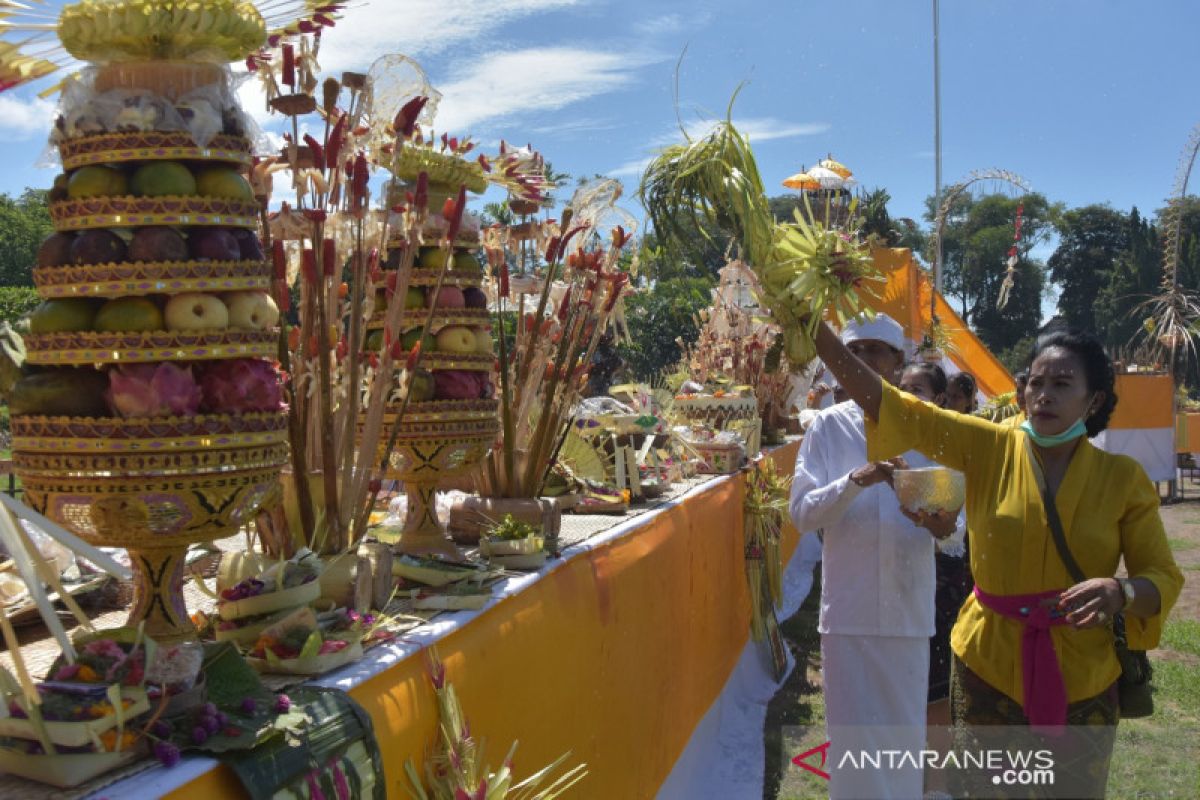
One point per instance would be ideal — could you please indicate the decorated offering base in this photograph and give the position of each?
(159, 422)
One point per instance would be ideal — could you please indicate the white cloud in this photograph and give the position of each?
(419, 28)
(21, 119)
(667, 23)
(757, 129)
(633, 168)
(535, 79)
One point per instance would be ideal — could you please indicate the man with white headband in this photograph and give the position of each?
(877, 588)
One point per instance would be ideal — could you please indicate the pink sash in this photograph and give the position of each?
(1045, 691)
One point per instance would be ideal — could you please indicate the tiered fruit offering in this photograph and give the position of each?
(154, 418)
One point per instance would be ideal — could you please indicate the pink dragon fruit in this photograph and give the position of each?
(152, 390)
(241, 385)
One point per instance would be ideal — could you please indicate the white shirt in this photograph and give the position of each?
(877, 574)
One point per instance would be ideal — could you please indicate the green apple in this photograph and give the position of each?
(432, 258)
(414, 297)
(456, 339)
(256, 311)
(129, 314)
(420, 387)
(194, 311)
(162, 179)
(483, 340)
(410, 337)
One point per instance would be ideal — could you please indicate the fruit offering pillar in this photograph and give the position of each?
(152, 417)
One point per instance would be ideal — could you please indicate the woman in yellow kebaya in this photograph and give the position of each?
(1031, 646)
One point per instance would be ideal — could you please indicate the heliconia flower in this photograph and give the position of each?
(279, 260)
(293, 338)
(552, 248)
(460, 206)
(342, 350)
(483, 162)
(283, 298)
(153, 390)
(308, 266)
(318, 152)
(414, 355)
(420, 200)
(315, 214)
(448, 208)
(240, 385)
(374, 485)
(360, 182)
(504, 280)
(453, 144)
(329, 258)
(564, 306)
(289, 65)
(406, 119)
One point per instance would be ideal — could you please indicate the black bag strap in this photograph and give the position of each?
(1056, 527)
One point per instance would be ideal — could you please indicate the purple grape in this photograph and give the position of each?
(249, 706)
(282, 704)
(208, 710)
(199, 735)
(210, 724)
(161, 729)
(166, 753)
(221, 719)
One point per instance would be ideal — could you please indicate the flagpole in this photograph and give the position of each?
(937, 145)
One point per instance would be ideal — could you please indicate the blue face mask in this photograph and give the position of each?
(1070, 434)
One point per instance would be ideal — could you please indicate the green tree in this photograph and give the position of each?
(24, 223)
(1134, 276)
(1091, 239)
(658, 318)
(976, 238)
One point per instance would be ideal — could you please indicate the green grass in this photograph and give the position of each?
(1157, 757)
(1181, 544)
(1182, 636)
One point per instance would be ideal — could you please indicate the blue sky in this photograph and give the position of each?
(1089, 100)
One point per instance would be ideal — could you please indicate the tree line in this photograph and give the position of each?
(1104, 264)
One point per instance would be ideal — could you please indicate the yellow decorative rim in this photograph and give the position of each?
(132, 212)
(121, 148)
(152, 465)
(174, 277)
(121, 348)
(483, 362)
(445, 411)
(146, 434)
(469, 317)
(461, 278)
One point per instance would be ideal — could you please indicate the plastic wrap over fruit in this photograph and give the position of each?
(454, 384)
(241, 385)
(153, 390)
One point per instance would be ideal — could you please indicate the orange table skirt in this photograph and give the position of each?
(615, 656)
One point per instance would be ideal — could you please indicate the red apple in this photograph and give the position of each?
(448, 297)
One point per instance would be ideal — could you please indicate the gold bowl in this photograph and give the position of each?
(930, 489)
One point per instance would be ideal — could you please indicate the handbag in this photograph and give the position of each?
(1133, 687)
